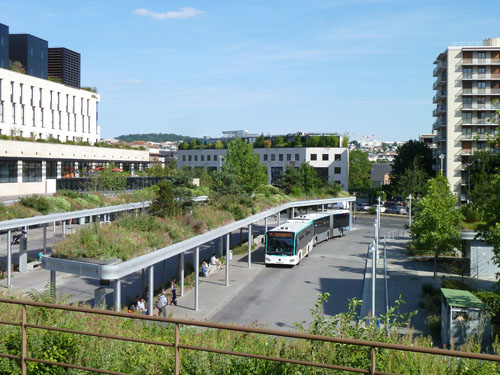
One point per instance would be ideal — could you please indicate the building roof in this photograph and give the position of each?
(462, 298)
(379, 171)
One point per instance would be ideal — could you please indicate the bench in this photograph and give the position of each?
(32, 265)
(211, 268)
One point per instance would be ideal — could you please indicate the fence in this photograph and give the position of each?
(178, 346)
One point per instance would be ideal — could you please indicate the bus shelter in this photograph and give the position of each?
(463, 315)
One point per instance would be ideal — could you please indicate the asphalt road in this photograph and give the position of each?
(280, 297)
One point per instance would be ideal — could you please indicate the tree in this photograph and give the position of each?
(290, 179)
(406, 155)
(437, 220)
(259, 142)
(245, 165)
(163, 205)
(268, 143)
(110, 180)
(304, 177)
(345, 140)
(309, 179)
(359, 170)
(16, 66)
(313, 141)
(280, 142)
(297, 142)
(413, 181)
(219, 145)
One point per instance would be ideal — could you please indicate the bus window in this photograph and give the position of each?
(279, 244)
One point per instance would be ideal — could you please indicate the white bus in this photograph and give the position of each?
(328, 224)
(289, 243)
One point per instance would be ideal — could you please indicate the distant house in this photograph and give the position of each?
(380, 174)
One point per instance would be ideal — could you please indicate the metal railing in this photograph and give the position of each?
(177, 344)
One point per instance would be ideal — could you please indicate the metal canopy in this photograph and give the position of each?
(117, 271)
(45, 219)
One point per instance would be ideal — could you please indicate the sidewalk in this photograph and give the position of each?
(213, 294)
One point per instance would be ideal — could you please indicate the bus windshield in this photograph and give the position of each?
(280, 244)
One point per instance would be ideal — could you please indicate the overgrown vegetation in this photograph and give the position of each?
(134, 358)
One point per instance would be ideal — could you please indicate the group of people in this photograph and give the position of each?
(213, 261)
(161, 303)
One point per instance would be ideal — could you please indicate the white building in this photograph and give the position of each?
(329, 162)
(467, 86)
(39, 108)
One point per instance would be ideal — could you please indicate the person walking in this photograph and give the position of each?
(174, 292)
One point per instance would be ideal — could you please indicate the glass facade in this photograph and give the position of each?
(51, 170)
(4, 46)
(8, 171)
(30, 51)
(32, 171)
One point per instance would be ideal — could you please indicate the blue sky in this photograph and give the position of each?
(198, 67)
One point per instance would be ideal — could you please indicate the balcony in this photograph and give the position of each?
(440, 81)
(440, 108)
(441, 66)
(439, 123)
(476, 91)
(441, 94)
(476, 61)
(479, 121)
(440, 138)
(473, 137)
(481, 106)
(480, 76)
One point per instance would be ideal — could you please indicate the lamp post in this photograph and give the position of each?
(468, 164)
(409, 212)
(442, 158)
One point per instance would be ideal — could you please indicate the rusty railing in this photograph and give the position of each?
(177, 344)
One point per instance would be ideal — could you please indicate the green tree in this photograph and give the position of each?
(413, 181)
(359, 170)
(290, 179)
(437, 220)
(192, 144)
(110, 180)
(309, 179)
(219, 145)
(297, 142)
(245, 165)
(163, 205)
(406, 155)
(280, 142)
(313, 141)
(259, 142)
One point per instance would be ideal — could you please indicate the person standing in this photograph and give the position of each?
(163, 304)
(174, 292)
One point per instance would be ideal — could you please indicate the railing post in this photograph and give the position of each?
(250, 240)
(374, 364)
(23, 341)
(9, 257)
(176, 349)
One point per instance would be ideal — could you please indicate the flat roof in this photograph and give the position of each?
(463, 298)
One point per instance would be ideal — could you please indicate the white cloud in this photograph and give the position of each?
(132, 81)
(182, 13)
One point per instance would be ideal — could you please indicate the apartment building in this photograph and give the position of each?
(467, 91)
(331, 163)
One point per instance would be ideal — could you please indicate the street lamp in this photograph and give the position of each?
(468, 165)
(409, 212)
(441, 157)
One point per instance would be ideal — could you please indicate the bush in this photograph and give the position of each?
(36, 202)
(92, 199)
(80, 203)
(296, 191)
(18, 211)
(491, 299)
(471, 213)
(434, 323)
(70, 194)
(60, 204)
(455, 284)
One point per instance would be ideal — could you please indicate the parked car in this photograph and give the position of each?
(395, 209)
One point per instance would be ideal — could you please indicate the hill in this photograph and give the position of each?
(153, 137)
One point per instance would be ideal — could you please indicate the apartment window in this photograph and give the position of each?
(58, 101)
(288, 157)
(21, 93)
(314, 157)
(67, 103)
(481, 84)
(51, 93)
(74, 122)
(264, 157)
(88, 124)
(273, 157)
(83, 124)
(202, 157)
(467, 116)
(297, 157)
(467, 102)
(196, 158)
(481, 70)
(481, 100)
(51, 170)
(481, 55)
(81, 106)
(88, 105)
(481, 115)
(69, 123)
(480, 130)
(11, 91)
(467, 131)
(8, 171)
(183, 157)
(74, 106)
(22, 114)
(13, 113)
(467, 72)
(338, 157)
(209, 157)
(324, 157)
(33, 115)
(280, 157)
(337, 170)
(189, 157)
(1, 111)
(32, 171)
(276, 173)
(60, 120)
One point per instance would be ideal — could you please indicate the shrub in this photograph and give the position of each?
(296, 191)
(491, 299)
(17, 210)
(80, 203)
(434, 323)
(455, 284)
(60, 204)
(36, 202)
(92, 199)
(70, 194)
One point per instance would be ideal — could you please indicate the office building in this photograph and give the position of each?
(4, 46)
(331, 163)
(467, 90)
(31, 52)
(64, 65)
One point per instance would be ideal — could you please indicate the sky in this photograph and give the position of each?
(199, 67)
